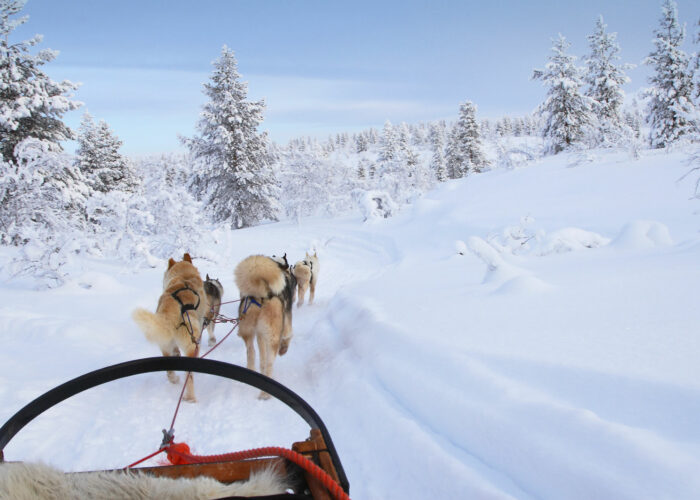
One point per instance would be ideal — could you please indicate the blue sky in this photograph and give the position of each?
(322, 66)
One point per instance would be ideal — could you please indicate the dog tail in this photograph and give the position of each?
(153, 326)
(259, 276)
(302, 272)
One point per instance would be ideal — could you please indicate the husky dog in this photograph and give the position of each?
(214, 291)
(177, 323)
(306, 273)
(267, 289)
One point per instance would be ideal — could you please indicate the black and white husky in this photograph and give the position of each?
(214, 291)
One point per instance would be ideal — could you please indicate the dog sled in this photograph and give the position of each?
(311, 468)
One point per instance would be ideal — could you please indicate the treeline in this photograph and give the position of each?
(54, 205)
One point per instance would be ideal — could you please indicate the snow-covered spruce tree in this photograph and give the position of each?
(41, 194)
(233, 173)
(605, 79)
(670, 97)
(566, 111)
(389, 143)
(398, 164)
(361, 143)
(31, 104)
(99, 159)
(464, 155)
(437, 163)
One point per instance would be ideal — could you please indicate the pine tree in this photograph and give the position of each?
(232, 160)
(437, 163)
(604, 78)
(567, 112)
(31, 104)
(670, 98)
(361, 143)
(464, 154)
(389, 144)
(99, 159)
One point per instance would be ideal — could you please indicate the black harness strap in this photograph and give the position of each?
(184, 308)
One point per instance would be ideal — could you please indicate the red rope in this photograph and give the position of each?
(189, 374)
(182, 392)
(145, 458)
(222, 340)
(231, 302)
(178, 455)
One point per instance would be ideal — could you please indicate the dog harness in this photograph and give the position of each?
(186, 307)
(246, 302)
(311, 268)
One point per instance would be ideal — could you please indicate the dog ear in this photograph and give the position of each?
(171, 262)
(187, 258)
(207, 276)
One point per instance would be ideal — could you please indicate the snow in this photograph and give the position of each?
(529, 333)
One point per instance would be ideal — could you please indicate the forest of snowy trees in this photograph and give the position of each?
(99, 202)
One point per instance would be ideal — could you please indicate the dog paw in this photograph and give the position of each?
(190, 399)
(284, 345)
(212, 341)
(263, 396)
(174, 379)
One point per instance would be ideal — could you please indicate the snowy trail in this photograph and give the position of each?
(502, 426)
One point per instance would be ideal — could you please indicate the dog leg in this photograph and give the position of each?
(286, 338)
(284, 345)
(172, 377)
(189, 382)
(267, 356)
(302, 292)
(249, 352)
(210, 330)
(312, 292)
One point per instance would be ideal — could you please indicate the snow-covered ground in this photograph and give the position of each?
(519, 334)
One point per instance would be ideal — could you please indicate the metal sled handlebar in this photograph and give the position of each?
(157, 364)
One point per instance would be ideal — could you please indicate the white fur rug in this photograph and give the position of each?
(22, 481)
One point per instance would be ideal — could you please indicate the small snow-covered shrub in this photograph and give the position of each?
(571, 239)
(375, 204)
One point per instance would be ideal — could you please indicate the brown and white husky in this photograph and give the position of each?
(177, 323)
(267, 289)
(306, 273)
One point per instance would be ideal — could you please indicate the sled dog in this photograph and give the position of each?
(214, 291)
(267, 289)
(306, 273)
(177, 323)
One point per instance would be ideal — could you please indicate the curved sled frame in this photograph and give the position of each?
(157, 364)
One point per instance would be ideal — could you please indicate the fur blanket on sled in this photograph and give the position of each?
(23, 481)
